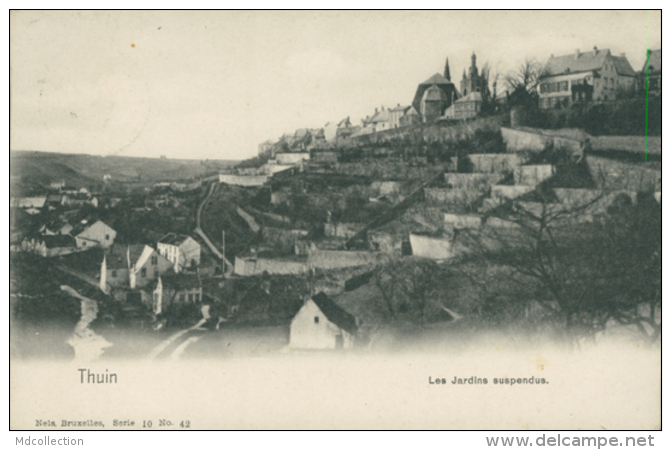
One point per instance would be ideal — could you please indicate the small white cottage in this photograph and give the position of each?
(321, 324)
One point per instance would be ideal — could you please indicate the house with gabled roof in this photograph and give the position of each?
(321, 324)
(411, 117)
(133, 266)
(468, 106)
(147, 268)
(181, 250)
(584, 76)
(89, 234)
(652, 72)
(395, 115)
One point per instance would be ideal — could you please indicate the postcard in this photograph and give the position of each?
(335, 220)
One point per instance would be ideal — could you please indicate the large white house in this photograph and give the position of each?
(595, 75)
(321, 324)
(181, 250)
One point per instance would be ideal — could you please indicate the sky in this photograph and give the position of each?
(213, 85)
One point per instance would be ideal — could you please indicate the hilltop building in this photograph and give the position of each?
(435, 95)
(652, 70)
(474, 81)
(411, 117)
(395, 115)
(584, 76)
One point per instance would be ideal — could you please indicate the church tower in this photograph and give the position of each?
(447, 69)
(472, 81)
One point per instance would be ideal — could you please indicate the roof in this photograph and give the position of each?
(436, 79)
(345, 123)
(400, 108)
(117, 257)
(31, 202)
(81, 226)
(441, 82)
(412, 112)
(173, 239)
(382, 116)
(472, 97)
(586, 61)
(335, 313)
(54, 198)
(434, 93)
(623, 67)
(654, 61)
(181, 282)
(147, 251)
(58, 241)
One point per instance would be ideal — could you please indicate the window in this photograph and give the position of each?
(182, 297)
(114, 274)
(83, 243)
(107, 237)
(190, 297)
(154, 260)
(196, 297)
(316, 319)
(144, 272)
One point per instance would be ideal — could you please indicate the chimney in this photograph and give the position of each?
(595, 50)
(375, 110)
(577, 53)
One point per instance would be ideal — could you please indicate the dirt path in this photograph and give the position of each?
(199, 231)
(160, 349)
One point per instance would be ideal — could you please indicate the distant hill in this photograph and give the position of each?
(34, 169)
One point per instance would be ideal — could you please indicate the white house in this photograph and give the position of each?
(321, 324)
(97, 234)
(181, 250)
(133, 266)
(147, 268)
(172, 289)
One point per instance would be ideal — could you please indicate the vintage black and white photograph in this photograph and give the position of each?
(335, 220)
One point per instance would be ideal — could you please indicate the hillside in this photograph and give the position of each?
(36, 169)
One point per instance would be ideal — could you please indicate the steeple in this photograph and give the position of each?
(474, 69)
(447, 69)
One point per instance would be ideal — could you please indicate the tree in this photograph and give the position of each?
(527, 76)
(585, 274)
(411, 289)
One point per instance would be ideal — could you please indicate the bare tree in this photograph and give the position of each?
(585, 266)
(526, 76)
